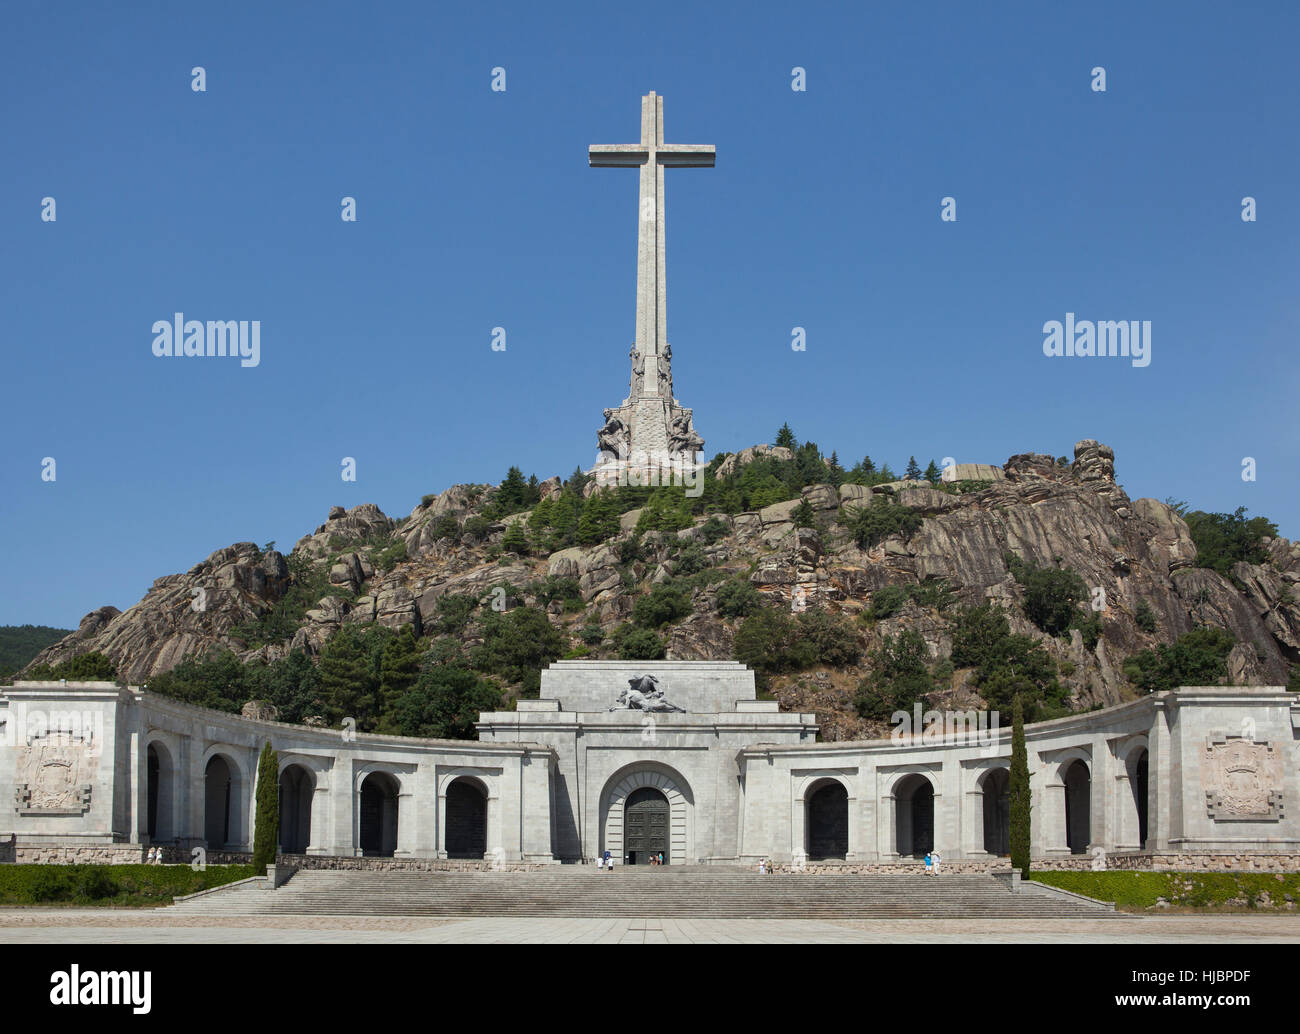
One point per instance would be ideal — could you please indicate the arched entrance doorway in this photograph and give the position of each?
(1138, 781)
(618, 792)
(914, 815)
(466, 819)
(828, 822)
(158, 817)
(217, 800)
(1077, 807)
(997, 812)
(296, 791)
(378, 832)
(645, 827)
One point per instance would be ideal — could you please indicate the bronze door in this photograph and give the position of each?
(645, 826)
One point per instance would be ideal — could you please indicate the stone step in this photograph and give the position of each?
(579, 892)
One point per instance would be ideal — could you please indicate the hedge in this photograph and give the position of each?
(121, 885)
(1138, 891)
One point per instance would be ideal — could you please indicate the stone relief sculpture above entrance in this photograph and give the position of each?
(643, 694)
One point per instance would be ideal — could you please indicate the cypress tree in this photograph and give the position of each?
(266, 824)
(1019, 792)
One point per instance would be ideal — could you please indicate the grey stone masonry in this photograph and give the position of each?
(650, 421)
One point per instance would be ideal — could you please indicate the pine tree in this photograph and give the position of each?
(398, 672)
(803, 515)
(932, 474)
(1019, 792)
(785, 437)
(514, 540)
(913, 471)
(345, 676)
(266, 824)
(834, 469)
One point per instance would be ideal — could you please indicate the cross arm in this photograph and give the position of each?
(687, 156)
(616, 155)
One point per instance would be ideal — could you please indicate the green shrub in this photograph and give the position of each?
(1051, 595)
(770, 641)
(1006, 665)
(387, 559)
(476, 527)
(1213, 891)
(823, 638)
(900, 676)
(86, 667)
(666, 602)
(1222, 539)
(638, 644)
(874, 523)
(149, 885)
(1144, 616)
(887, 602)
(1198, 658)
(517, 645)
(737, 598)
(713, 530)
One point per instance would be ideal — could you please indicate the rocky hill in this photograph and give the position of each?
(1137, 559)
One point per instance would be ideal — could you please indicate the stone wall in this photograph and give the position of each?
(1183, 862)
(315, 861)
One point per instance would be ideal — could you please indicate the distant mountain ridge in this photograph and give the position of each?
(19, 644)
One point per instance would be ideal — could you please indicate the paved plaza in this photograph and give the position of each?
(81, 926)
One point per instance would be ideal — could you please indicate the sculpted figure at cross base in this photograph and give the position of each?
(613, 437)
(682, 437)
(638, 372)
(643, 694)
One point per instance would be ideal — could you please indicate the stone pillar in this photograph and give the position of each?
(855, 830)
(1159, 779)
(535, 811)
(408, 828)
(972, 835)
(318, 841)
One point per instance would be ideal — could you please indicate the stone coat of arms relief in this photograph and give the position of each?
(1242, 779)
(54, 775)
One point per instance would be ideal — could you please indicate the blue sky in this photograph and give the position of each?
(476, 209)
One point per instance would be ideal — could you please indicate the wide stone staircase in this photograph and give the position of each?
(636, 892)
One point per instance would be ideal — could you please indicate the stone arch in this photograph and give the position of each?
(913, 794)
(297, 787)
(826, 819)
(681, 805)
(995, 796)
(467, 817)
(160, 791)
(1136, 760)
(1076, 777)
(377, 808)
(223, 793)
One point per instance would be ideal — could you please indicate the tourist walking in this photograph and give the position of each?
(929, 864)
(937, 859)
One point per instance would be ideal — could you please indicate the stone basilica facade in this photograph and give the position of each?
(677, 758)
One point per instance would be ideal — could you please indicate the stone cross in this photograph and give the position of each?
(652, 155)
